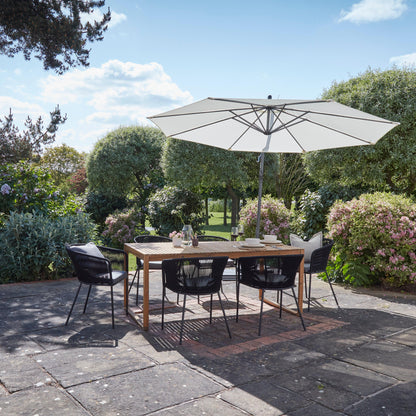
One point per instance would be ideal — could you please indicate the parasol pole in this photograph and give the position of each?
(270, 119)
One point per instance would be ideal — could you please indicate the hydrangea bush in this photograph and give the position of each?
(274, 218)
(375, 239)
(121, 227)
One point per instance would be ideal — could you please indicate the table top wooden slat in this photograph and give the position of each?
(232, 249)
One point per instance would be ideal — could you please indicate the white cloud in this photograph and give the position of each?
(374, 11)
(100, 99)
(404, 60)
(117, 88)
(116, 18)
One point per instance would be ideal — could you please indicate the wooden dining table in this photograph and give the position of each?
(149, 252)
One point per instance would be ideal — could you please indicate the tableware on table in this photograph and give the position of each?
(269, 238)
(243, 244)
(271, 242)
(234, 233)
(240, 230)
(188, 233)
(252, 241)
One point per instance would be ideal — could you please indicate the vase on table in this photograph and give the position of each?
(188, 233)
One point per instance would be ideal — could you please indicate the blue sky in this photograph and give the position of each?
(161, 54)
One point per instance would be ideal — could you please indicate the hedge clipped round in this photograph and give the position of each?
(375, 239)
(274, 218)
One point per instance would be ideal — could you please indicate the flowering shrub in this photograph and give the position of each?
(121, 227)
(274, 218)
(26, 188)
(375, 239)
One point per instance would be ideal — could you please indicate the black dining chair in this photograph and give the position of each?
(275, 273)
(193, 276)
(94, 269)
(154, 265)
(318, 264)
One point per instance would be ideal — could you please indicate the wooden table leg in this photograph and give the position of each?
(146, 294)
(300, 285)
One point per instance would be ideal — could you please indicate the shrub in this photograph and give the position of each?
(311, 217)
(100, 206)
(375, 239)
(27, 188)
(121, 227)
(172, 207)
(32, 246)
(274, 218)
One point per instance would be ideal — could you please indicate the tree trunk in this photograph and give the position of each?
(234, 204)
(206, 212)
(225, 211)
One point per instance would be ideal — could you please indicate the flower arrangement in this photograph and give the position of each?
(274, 218)
(176, 234)
(377, 231)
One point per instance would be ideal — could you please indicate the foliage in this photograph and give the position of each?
(274, 218)
(375, 239)
(32, 246)
(126, 162)
(62, 162)
(121, 227)
(77, 182)
(27, 145)
(389, 165)
(26, 188)
(100, 206)
(312, 212)
(204, 169)
(171, 208)
(52, 30)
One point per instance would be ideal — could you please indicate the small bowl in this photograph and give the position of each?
(270, 238)
(252, 241)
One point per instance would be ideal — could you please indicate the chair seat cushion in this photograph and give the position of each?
(118, 276)
(90, 249)
(308, 246)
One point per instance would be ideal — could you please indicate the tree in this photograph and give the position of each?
(52, 30)
(391, 163)
(28, 144)
(126, 162)
(200, 167)
(61, 162)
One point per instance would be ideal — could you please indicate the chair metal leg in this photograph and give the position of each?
(163, 305)
(73, 304)
(112, 306)
(183, 318)
(332, 289)
(237, 293)
(309, 295)
(297, 307)
(86, 300)
(223, 312)
(261, 310)
(210, 310)
(281, 303)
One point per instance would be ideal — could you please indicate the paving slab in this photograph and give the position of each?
(397, 401)
(145, 391)
(385, 357)
(42, 401)
(80, 365)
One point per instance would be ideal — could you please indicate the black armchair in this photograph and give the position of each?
(93, 269)
(193, 276)
(154, 265)
(318, 263)
(276, 273)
